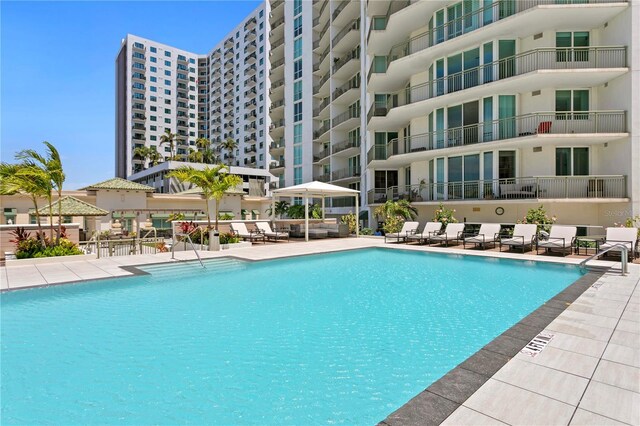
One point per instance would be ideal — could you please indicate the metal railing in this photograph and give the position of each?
(474, 20)
(519, 188)
(322, 130)
(347, 115)
(352, 26)
(322, 154)
(349, 172)
(339, 9)
(351, 84)
(624, 257)
(121, 246)
(379, 22)
(522, 63)
(325, 177)
(345, 59)
(323, 104)
(344, 145)
(277, 63)
(536, 123)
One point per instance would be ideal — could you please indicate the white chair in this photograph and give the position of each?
(240, 229)
(560, 237)
(523, 235)
(430, 229)
(624, 236)
(409, 228)
(453, 232)
(265, 228)
(488, 233)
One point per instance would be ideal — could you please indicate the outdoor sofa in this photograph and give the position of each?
(321, 230)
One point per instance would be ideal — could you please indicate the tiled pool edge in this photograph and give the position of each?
(437, 402)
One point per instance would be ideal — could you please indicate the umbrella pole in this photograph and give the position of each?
(306, 219)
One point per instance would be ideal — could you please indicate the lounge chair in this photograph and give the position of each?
(488, 233)
(625, 236)
(430, 229)
(523, 235)
(240, 230)
(560, 237)
(453, 232)
(409, 228)
(270, 234)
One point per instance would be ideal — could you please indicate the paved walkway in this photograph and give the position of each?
(589, 373)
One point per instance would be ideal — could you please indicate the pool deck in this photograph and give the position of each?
(588, 373)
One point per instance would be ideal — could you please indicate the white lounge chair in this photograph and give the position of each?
(453, 232)
(488, 233)
(270, 234)
(240, 229)
(409, 228)
(560, 237)
(625, 236)
(523, 235)
(430, 229)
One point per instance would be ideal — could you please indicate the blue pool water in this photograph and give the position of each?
(342, 338)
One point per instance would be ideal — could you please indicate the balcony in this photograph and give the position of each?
(325, 153)
(355, 56)
(275, 105)
(276, 85)
(276, 166)
(251, 24)
(351, 84)
(138, 47)
(277, 64)
(348, 173)
(322, 130)
(325, 177)
(605, 62)
(350, 114)
(339, 9)
(276, 4)
(138, 76)
(276, 124)
(251, 47)
(321, 107)
(251, 93)
(139, 127)
(138, 117)
(251, 71)
(277, 23)
(277, 145)
(548, 14)
(250, 149)
(250, 59)
(589, 126)
(592, 188)
(348, 147)
(353, 26)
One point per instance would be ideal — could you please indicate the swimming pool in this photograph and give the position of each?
(338, 338)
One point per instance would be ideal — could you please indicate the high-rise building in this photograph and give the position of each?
(316, 91)
(495, 107)
(218, 96)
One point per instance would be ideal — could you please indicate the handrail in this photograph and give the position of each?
(173, 245)
(624, 257)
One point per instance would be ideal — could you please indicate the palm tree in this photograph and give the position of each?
(154, 156)
(169, 139)
(28, 180)
(400, 208)
(280, 208)
(214, 182)
(52, 166)
(209, 156)
(230, 145)
(195, 156)
(142, 152)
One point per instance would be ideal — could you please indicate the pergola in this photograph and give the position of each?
(312, 190)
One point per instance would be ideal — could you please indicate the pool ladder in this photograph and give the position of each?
(624, 257)
(173, 245)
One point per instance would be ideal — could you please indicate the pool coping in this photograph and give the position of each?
(444, 396)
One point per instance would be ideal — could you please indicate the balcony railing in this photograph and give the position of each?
(276, 164)
(349, 172)
(325, 177)
(338, 202)
(279, 42)
(522, 63)
(344, 145)
(347, 115)
(352, 26)
(345, 59)
(339, 9)
(379, 23)
(277, 23)
(322, 154)
(351, 84)
(277, 144)
(277, 64)
(520, 188)
(472, 21)
(323, 104)
(537, 123)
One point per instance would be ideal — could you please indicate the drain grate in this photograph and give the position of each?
(537, 344)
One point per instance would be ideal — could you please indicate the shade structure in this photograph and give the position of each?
(312, 190)
(71, 206)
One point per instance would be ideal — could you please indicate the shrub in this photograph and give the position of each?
(228, 238)
(19, 235)
(31, 248)
(538, 216)
(366, 231)
(631, 222)
(351, 220)
(393, 224)
(444, 215)
(226, 216)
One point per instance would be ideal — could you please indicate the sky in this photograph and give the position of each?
(57, 70)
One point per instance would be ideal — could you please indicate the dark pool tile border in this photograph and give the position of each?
(437, 402)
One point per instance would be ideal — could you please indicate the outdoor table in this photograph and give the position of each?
(594, 239)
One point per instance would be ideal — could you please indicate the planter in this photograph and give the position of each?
(238, 245)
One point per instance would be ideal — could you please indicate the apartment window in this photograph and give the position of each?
(153, 79)
(167, 82)
(167, 120)
(167, 54)
(297, 48)
(153, 137)
(297, 90)
(261, 27)
(167, 63)
(261, 14)
(153, 128)
(167, 111)
(297, 112)
(297, 69)
(572, 161)
(571, 41)
(153, 88)
(153, 108)
(192, 61)
(297, 26)
(167, 101)
(297, 175)
(153, 49)
(167, 92)
(153, 98)
(297, 7)
(572, 101)
(167, 73)
(297, 134)
(153, 118)
(153, 59)
(153, 69)
(297, 155)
